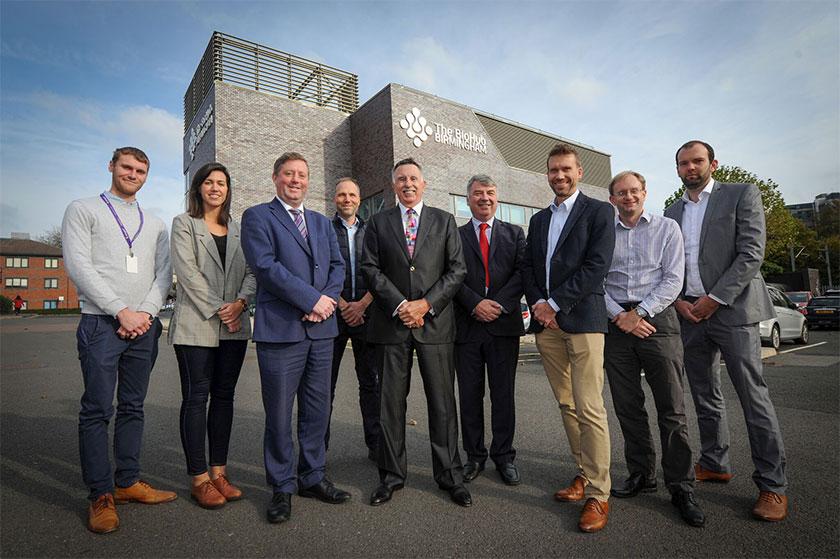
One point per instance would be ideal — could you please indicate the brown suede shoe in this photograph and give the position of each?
(702, 474)
(771, 507)
(226, 488)
(142, 492)
(207, 496)
(573, 492)
(594, 515)
(102, 515)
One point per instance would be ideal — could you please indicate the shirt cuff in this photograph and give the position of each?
(718, 300)
(554, 305)
(397, 310)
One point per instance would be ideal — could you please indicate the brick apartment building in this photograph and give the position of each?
(35, 271)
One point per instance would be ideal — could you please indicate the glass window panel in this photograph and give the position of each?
(517, 214)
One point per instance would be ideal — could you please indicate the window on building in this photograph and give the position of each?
(50, 262)
(50, 304)
(50, 283)
(17, 282)
(17, 262)
(512, 213)
(371, 205)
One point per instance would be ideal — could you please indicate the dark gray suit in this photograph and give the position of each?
(732, 241)
(435, 273)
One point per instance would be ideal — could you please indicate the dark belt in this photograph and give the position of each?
(629, 306)
(690, 299)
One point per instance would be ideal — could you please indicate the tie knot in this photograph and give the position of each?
(409, 211)
(483, 227)
(294, 211)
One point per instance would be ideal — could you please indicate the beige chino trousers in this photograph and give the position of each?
(574, 365)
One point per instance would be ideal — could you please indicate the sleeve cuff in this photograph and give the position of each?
(724, 303)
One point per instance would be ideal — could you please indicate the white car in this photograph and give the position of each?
(789, 324)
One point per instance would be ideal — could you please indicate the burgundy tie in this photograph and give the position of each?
(485, 252)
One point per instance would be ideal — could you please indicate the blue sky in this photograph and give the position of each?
(759, 80)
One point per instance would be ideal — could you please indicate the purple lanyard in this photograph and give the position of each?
(129, 240)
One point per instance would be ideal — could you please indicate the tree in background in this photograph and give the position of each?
(51, 236)
(783, 230)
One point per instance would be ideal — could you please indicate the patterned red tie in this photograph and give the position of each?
(485, 252)
(411, 231)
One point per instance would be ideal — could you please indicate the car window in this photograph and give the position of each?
(798, 297)
(776, 297)
(825, 302)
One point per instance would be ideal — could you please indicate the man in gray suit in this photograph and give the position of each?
(723, 300)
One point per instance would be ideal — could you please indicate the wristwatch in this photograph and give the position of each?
(641, 312)
(244, 304)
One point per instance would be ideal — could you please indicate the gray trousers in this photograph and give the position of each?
(661, 357)
(741, 348)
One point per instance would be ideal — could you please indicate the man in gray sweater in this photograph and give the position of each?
(118, 257)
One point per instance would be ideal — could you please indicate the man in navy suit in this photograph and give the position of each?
(294, 255)
(488, 326)
(570, 248)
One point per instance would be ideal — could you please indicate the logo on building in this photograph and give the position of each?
(416, 127)
(419, 130)
(198, 131)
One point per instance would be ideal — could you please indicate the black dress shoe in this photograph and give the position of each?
(689, 509)
(383, 494)
(509, 473)
(280, 508)
(460, 496)
(634, 485)
(325, 491)
(471, 470)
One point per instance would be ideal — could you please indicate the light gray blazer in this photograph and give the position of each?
(732, 241)
(203, 285)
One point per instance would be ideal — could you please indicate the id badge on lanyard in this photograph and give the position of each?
(131, 265)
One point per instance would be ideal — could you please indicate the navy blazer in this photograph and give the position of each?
(507, 250)
(291, 273)
(579, 264)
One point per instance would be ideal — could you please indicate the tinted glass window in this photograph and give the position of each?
(825, 302)
(797, 297)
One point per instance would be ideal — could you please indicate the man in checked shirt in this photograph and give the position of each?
(645, 278)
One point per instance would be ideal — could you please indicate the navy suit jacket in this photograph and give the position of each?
(507, 250)
(291, 273)
(579, 264)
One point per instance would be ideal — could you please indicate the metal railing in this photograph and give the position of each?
(240, 62)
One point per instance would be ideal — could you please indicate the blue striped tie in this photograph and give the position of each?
(300, 224)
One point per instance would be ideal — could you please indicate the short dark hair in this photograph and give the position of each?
(562, 149)
(691, 143)
(624, 174)
(195, 204)
(289, 156)
(136, 153)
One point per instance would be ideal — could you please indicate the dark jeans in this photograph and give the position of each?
(110, 363)
(368, 378)
(208, 372)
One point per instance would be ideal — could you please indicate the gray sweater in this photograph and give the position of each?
(95, 257)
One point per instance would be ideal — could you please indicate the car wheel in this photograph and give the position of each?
(803, 337)
(775, 337)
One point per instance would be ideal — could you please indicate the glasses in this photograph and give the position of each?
(629, 193)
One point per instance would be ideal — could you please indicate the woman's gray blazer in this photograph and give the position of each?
(203, 285)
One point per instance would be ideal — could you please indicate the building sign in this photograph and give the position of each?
(418, 130)
(198, 131)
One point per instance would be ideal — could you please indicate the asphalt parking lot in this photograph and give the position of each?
(43, 506)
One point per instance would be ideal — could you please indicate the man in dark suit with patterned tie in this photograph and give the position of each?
(413, 264)
(489, 325)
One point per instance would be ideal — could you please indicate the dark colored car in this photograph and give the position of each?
(823, 311)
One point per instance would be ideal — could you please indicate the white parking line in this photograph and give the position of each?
(800, 348)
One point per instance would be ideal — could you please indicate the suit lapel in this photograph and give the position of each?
(495, 237)
(206, 240)
(677, 212)
(574, 215)
(286, 221)
(232, 245)
(471, 241)
(711, 206)
(395, 220)
(313, 234)
(422, 229)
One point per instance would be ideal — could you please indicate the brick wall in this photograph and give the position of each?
(36, 273)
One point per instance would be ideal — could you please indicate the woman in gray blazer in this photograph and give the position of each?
(210, 328)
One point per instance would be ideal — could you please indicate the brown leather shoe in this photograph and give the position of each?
(207, 495)
(102, 515)
(771, 507)
(142, 492)
(594, 515)
(702, 474)
(226, 488)
(573, 492)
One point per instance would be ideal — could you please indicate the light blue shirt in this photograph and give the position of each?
(351, 244)
(559, 215)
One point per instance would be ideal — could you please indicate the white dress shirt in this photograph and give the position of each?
(288, 208)
(559, 214)
(692, 226)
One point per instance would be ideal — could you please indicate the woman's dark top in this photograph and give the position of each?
(221, 245)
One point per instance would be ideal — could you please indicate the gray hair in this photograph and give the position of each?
(481, 179)
(624, 174)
